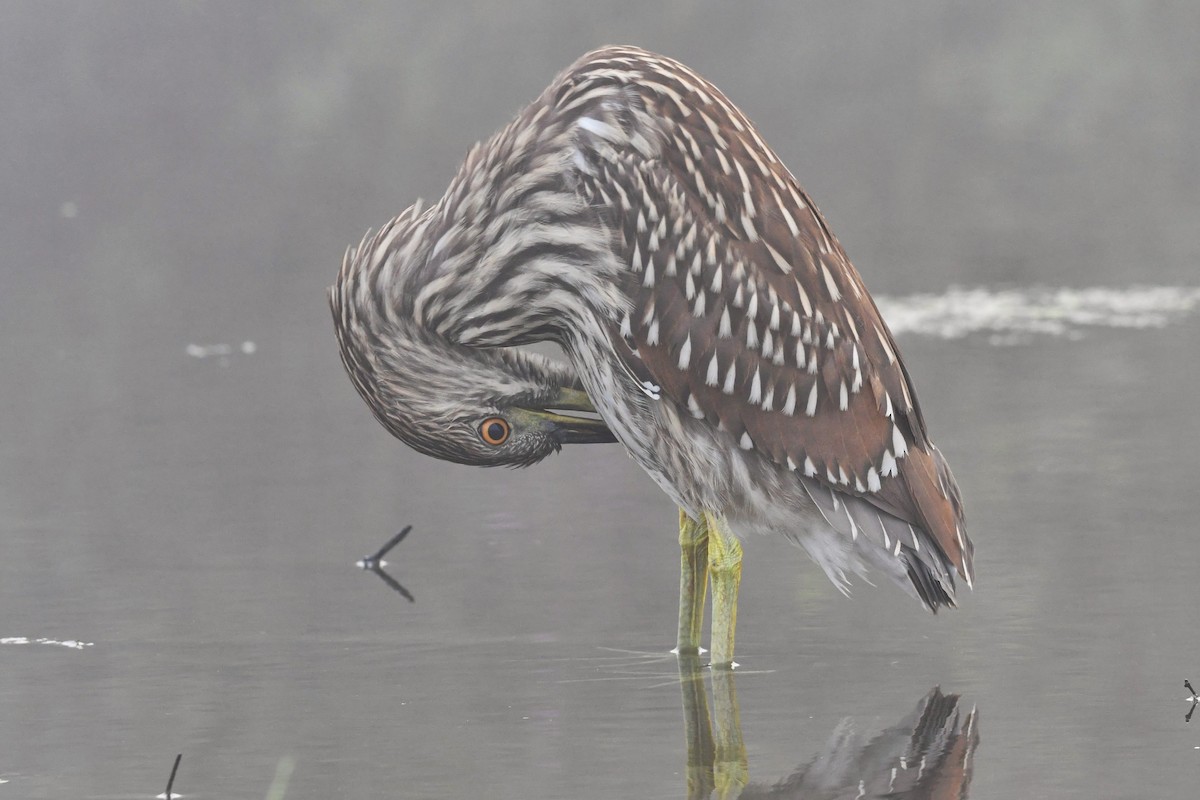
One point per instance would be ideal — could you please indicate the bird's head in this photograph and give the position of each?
(496, 407)
(493, 406)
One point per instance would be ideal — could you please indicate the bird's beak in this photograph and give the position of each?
(569, 428)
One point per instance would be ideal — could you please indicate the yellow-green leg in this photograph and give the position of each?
(725, 572)
(693, 582)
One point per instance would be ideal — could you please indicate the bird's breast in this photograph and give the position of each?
(700, 467)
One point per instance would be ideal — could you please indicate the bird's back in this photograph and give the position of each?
(747, 317)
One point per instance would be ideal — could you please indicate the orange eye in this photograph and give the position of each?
(495, 430)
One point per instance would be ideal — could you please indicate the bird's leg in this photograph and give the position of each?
(725, 570)
(693, 582)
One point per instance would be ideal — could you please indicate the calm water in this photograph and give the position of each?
(187, 478)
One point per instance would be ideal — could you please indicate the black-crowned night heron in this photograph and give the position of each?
(635, 217)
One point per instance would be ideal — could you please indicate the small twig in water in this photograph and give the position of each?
(1187, 685)
(376, 561)
(171, 780)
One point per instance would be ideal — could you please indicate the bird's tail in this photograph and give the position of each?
(899, 549)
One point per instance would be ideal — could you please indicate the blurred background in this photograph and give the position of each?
(187, 477)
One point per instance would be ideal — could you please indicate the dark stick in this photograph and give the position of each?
(371, 562)
(1188, 686)
(171, 780)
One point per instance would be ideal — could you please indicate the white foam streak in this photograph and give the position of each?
(70, 644)
(1017, 316)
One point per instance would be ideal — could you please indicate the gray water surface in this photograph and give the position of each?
(187, 477)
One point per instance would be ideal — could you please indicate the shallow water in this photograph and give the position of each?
(187, 478)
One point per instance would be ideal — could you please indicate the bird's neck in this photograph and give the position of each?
(515, 253)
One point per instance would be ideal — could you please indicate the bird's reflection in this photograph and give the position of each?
(927, 754)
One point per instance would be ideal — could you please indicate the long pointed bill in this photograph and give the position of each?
(572, 400)
(570, 429)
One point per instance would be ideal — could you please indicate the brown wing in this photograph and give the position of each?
(747, 312)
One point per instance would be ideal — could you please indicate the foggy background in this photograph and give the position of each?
(187, 476)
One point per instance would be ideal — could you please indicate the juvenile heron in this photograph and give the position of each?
(635, 217)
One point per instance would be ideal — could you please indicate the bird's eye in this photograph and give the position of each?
(495, 430)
